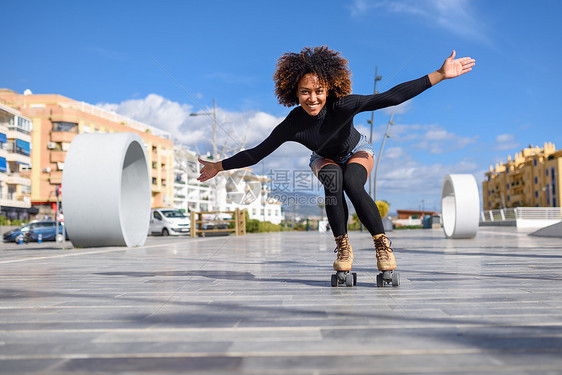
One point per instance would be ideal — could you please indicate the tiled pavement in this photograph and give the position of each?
(263, 304)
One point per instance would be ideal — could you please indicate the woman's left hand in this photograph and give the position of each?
(455, 67)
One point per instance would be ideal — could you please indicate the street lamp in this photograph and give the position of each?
(213, 116)
(386, 135)
(377, 78)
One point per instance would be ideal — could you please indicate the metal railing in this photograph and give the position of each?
(522, 213)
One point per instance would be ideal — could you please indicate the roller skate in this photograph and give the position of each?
(385, 261)
(343, 263)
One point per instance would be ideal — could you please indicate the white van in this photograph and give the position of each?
(168, 221)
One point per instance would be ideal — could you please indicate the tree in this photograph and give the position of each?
(383, 207)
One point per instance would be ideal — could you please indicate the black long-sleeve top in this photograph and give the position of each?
(330, 133)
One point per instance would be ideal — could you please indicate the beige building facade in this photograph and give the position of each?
(530, 179)
(15, 163)
(57, 120)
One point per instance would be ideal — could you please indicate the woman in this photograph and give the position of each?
(318, 80)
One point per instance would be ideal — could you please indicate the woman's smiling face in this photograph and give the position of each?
(312, 94)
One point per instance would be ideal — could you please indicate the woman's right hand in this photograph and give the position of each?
(209, 170)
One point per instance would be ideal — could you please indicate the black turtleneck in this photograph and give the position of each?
(330, 133)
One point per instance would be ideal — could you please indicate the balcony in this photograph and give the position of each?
(25, 174)
(17, 179)
(17, 157)
(55, 177)
(26, 203)
(15, 134)
(57, 156)
(62, 136)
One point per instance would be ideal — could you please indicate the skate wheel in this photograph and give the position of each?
(395, 279)
(387, 276)
(380, 281)
(354, 278)
(349, 279)
(334, 281)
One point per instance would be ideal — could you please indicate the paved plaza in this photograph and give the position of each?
(263, 304)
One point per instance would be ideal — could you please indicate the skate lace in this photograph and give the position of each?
(342, 248)
(382, 245)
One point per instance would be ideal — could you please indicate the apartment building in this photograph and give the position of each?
(15, 162)
(242, 189)
(57, 120)
(190, 194)
(225, 192)
(530, 179)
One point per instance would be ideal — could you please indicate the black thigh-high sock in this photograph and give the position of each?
(331, 177)
(354, 178)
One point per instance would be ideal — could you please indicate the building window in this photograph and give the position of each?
(22, 125)
(536, 180)
(506, 169)
(536, 193)
(508, 186)
(22, 147)
(64, 126)
(508, 198)
(3, 165)
(547, 172)
(489, 193)
(535, 162)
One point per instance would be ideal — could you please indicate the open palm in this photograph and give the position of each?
(455, 67)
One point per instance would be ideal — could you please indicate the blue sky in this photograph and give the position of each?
(114, 53)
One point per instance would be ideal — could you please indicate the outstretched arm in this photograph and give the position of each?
(245, 158)
(452, 68)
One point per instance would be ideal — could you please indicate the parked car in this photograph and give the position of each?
(168, 221)
(47, 230)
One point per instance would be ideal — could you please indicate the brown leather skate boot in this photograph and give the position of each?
(385, 257)
(345, 254)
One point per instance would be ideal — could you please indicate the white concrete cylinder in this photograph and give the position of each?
(460, 206)
(106, 190)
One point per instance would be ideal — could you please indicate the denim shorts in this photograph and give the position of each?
(362, 145)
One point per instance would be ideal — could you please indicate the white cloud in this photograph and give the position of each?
(506, 142)
(234, 129)
(404, 181)
(455, 16)
(406, 175)
(431, 138)
(502, 138)
(398, 109)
